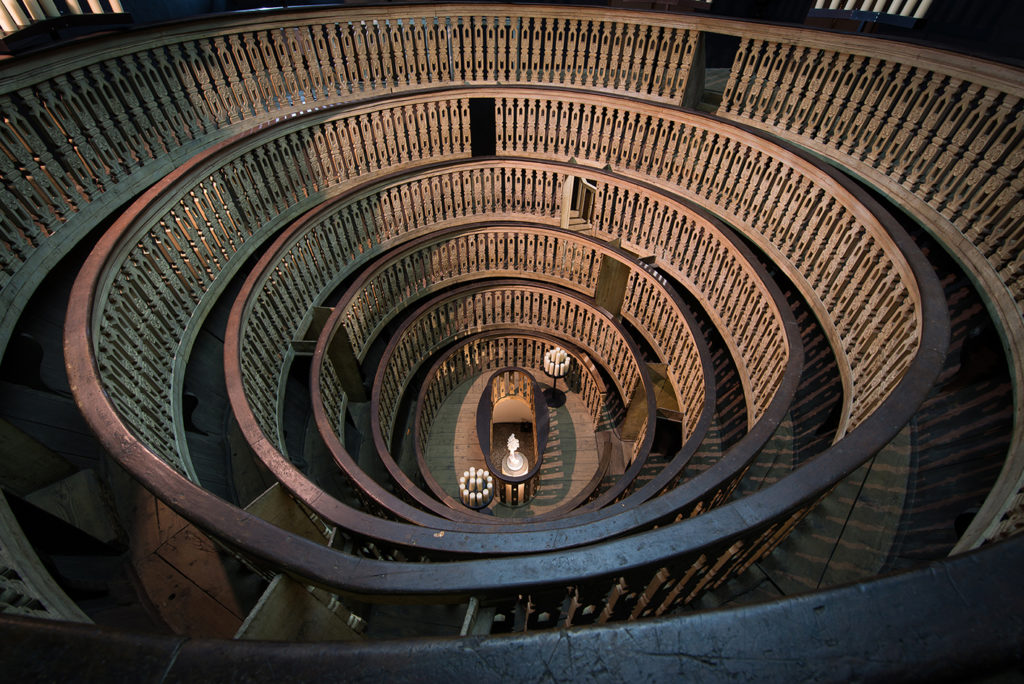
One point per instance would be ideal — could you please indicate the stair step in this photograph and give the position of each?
(80, 500)
(28, 465)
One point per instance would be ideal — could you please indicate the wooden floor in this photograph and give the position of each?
(570, 460)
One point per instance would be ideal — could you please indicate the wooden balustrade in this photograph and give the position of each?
(857, 9)
(943, 135)
(217, 70)
(339, 237)
(450, 256)
(649, 307)
(949, 134)
(522, 306)
(718, 270)
(532, 253)
(848, 266)
(325, 247)
(515, 251)
(15, 18)
(176, 249)
(127, 126)
(330, 244)
(505, 306)
(112, 120)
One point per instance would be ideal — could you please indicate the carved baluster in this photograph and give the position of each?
(37, 129)
(438, 32)
(380, 72)
(545, 33)
(580, 131)
(365, 76)
(633, 52)
(575, 49)
(460, 48)
(589, 53)
(253, 88)
(417, 63)
(343, 46)
(306, 63)
(129, 114)
(647, 50)
(530, 50)
(208, 85)
(330, 63)
(163, 128)
(37, 178)
(602, 60)
(765, 81)
(619, 57)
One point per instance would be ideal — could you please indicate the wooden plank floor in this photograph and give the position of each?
(570, 460)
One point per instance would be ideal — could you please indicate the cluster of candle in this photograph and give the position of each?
(556, 362)
(476, 487)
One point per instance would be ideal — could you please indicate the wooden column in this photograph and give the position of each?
(307, 345)
(339, 350)
(611, 284)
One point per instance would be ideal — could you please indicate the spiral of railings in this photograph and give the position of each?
(291, 277)
(343, 158)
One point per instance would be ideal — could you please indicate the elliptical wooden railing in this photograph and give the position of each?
(511, 305)
(847, 267)
(942, 135)
(188, 242)
(692, 497)
(121, 112)
(446, 257)
(219, 80)
(263, 360)
(702, 552)
(331, 242)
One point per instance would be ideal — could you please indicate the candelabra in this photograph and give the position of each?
(476, 488)
(556, 365)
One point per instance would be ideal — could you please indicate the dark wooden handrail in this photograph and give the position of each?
(697, 553)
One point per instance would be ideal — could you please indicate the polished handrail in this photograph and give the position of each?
(657, 505)
(737, 516)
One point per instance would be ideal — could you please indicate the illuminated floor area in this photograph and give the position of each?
(570, 461)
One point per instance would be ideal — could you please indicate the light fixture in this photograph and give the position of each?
(476, 487)
(557, 363)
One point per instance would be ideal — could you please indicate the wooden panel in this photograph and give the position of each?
(290, 611)
(278, 507)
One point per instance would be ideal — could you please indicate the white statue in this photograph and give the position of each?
(515, 462)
